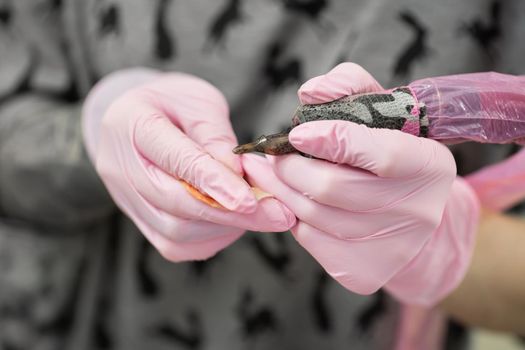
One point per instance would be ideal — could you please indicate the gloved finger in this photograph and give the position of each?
(167, 194)
(205, 117)
(172, 228)
(175, 238)
(386, 153)
(179, 230)
(179, 250)
(335, 221)
(216, 136)
(360, 265)
(345, 79)
(340, 185)
(162, 143)
(502, 185)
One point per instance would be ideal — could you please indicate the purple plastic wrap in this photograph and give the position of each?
(481, 107)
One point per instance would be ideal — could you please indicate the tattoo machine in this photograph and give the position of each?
(480, 107)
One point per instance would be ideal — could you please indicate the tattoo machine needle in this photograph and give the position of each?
(393, 109)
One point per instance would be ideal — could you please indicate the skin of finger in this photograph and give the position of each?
(161, 143)
(156, 186)
(386, 153)
(343, 80)
(362, 266)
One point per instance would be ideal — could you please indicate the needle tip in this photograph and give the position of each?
(240, 149)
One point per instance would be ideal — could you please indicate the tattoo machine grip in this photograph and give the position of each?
(393, 109)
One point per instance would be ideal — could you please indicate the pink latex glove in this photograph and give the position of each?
(385, 210)
(502, 185)
(174, 126)
(498, 187)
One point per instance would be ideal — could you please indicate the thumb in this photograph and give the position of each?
(386, 153)
(343, 80)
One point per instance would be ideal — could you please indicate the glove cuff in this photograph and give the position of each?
(102, 95)
(443, 262)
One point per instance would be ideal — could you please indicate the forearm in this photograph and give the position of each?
(492, 294)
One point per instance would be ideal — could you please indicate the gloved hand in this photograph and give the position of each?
(174, 127)
(379, 207)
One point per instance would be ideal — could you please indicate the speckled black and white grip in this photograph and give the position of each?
(396, 109)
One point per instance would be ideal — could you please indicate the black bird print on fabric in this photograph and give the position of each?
(254, 320)
(56, 4)
(147, 285)
(417, 48)
(102, 337)
(50, 6)
(320, 308)
(311, 9)
(280, 71)
(372, 312)
(201, 268)
(102, 326)
(191, 336)
(230, 14)
(5, 15)
(276, 259)
(486, 33)
(109, 21)
(164, 42)
(71, 92)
